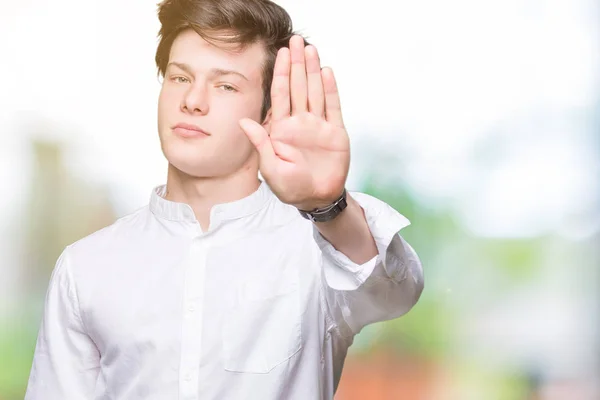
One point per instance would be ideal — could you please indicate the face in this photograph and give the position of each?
(205, 92)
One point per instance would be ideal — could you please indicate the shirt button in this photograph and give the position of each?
(191, 308)
(188, 377)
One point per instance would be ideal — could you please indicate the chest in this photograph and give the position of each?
(247, 303)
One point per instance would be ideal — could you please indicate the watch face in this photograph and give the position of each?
(328, 213)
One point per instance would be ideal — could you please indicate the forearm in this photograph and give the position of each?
(349, 233)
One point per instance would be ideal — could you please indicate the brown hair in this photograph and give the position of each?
(238, 22)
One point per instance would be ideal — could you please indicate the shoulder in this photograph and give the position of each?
(108, 239)
(278, 213)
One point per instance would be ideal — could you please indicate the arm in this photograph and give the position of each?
(385, 286)
(66, 361)
(304, 155)
(349, 233)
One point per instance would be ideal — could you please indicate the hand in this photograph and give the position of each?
(304, 149)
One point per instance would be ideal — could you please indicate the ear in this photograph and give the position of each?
(267, 121)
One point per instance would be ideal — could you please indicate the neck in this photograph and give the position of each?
(202, 193)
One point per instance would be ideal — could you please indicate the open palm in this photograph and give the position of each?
(305, 150)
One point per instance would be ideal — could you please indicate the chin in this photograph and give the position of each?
(192, 167)
(198, 165)
(189, 161)
(203, 161)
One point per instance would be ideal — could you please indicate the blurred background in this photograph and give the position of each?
(479, 120)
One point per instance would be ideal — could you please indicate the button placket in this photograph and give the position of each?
(191, 334)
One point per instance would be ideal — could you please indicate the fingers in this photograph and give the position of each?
(333, 110)
(300, 85)
(316, 100)
(261, 140)
(280, 87)
(298, 80)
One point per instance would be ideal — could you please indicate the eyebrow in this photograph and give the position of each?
(213, 71)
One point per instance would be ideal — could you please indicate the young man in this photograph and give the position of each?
(219, 288)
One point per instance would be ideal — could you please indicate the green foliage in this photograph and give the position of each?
(425, 329)
(17, 344)
(446, 249)
(518, 259)
(431, 228)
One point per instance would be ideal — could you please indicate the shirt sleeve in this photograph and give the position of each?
(384, 287)
(66, 361)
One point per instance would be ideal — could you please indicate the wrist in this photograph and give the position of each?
(327, 212)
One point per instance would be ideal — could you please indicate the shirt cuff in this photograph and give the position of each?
(384, 222)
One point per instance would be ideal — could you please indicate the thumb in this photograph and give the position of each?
(259, 137)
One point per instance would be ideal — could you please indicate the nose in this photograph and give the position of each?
(195, 100)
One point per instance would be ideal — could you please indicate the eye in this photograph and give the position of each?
(180, 79)
(228, 88)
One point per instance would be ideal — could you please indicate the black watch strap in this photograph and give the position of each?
(327, 213)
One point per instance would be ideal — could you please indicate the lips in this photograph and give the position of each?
(189, 130)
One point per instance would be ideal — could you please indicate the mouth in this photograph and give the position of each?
(189, 131)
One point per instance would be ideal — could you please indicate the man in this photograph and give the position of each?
(219, 288)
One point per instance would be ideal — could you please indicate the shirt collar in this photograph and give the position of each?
(175, 211)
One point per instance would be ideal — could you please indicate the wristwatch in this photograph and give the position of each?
(326, 213)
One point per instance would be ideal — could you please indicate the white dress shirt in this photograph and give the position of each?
(260, 306)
